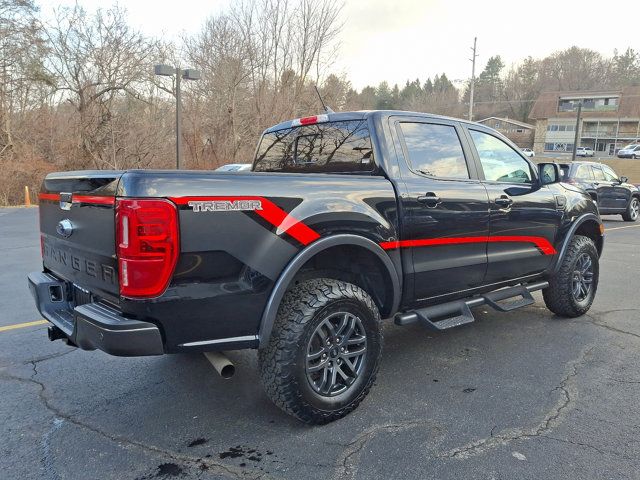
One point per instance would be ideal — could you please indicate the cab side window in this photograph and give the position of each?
(597, 173)
(584, 172)
(499, 161)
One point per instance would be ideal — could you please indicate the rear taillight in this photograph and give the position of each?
(147, 246)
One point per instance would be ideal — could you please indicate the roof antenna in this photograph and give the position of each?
(326, 109)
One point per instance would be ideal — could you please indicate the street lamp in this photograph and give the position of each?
(188, 74)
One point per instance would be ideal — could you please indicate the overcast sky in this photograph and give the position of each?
(396, 40)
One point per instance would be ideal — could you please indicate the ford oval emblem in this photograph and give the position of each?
(65, 228)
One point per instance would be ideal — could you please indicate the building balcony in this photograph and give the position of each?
(588, 108)
(592, 132)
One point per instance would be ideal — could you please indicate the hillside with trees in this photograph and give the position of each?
(77, 90)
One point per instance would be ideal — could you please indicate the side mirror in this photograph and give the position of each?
(549, 173)
(624, 179)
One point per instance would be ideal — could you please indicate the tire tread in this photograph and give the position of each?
(558, 296)
(277, 359)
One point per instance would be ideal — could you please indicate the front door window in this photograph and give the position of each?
(499, 161)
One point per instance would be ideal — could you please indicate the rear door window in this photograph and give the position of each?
(333, 147)
(434, 150)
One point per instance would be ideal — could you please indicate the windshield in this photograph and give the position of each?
(333, 147)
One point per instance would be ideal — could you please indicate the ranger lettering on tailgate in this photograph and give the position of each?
(91, 268)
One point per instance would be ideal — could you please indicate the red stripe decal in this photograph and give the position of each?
(270, 212)
(94, 199)
(542, 243)
(54, 197)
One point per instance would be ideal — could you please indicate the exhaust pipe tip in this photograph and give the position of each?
(225, 368)
(227, 371)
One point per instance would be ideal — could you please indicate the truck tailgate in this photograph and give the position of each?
(77, 225)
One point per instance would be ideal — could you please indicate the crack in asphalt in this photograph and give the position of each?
(553, 418)
(631, 382)
(211, 466)
(348, 461)
(39, 359)
(589, 446)
(594, 321)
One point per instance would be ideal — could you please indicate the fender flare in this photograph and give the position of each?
(290, 271)
(567, 239)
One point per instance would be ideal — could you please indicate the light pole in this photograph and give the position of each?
(188, 74)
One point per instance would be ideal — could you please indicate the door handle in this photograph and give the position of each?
(503, 201)
(431, 200)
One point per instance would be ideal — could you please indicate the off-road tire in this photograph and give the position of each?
(559, 296)
(282, 363)
(631, 215)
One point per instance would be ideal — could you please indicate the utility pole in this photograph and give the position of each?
(575, 138)
(473, 78)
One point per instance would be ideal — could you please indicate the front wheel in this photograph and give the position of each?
(324, 352)
(572, 288)
(633, 210)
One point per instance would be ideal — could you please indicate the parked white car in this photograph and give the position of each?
(234, 167)
(584, 152)
(527, 152)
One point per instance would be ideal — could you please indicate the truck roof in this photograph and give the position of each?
(364, 114)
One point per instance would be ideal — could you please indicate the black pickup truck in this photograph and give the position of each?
(344, 220)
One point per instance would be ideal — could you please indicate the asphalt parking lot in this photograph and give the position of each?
(517, 395)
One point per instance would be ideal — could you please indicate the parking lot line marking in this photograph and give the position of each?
(22, 325)
(620, 228)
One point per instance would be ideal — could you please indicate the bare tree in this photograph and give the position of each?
(94, 58)
(257, 63)
(21, 50)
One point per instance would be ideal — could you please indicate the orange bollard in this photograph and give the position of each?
(27, 197)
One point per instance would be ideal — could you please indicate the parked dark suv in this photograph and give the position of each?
(613, 194)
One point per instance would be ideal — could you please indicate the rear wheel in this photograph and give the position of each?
(324, 352)
(633, 210)
(573, 287)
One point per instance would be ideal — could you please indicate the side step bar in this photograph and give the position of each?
(456, 313)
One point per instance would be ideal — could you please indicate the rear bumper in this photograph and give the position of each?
(93, 325)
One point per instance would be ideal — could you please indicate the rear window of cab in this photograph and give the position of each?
(332, 147)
